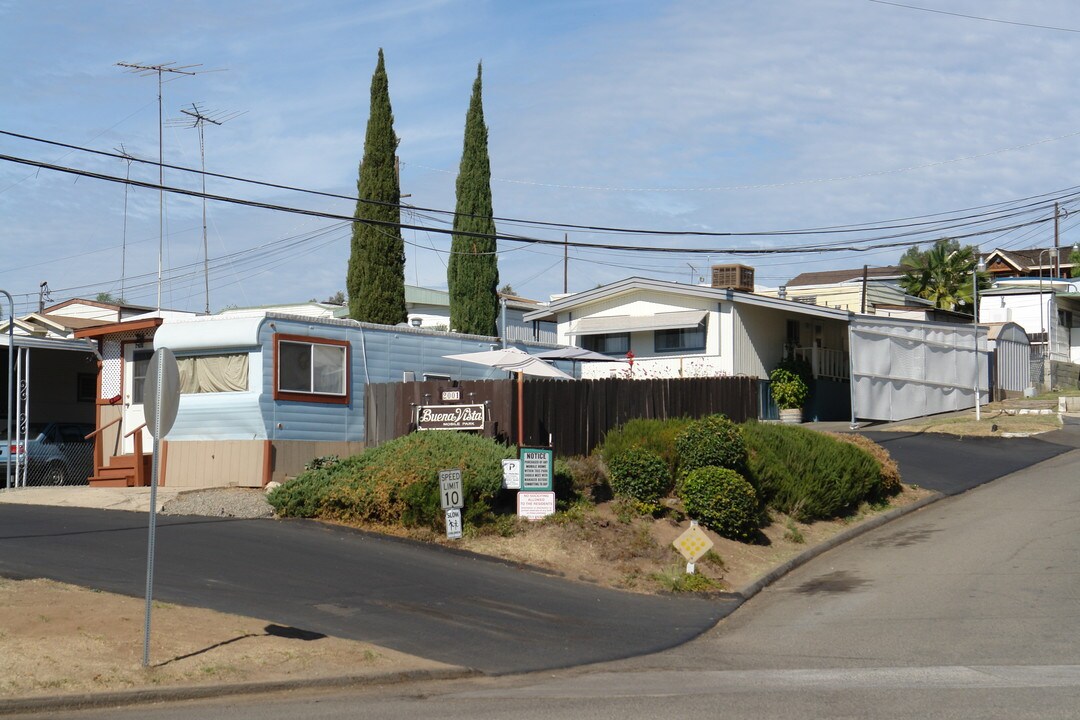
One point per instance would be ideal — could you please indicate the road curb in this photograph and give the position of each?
(802, 558)
(86, 701)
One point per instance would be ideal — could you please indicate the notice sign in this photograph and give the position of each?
(512, 474)
(450, 417)
(536, 469)
(535, 505)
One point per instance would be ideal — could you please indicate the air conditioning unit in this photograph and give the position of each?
(735, 277)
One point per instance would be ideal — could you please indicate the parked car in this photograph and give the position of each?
(56, 453)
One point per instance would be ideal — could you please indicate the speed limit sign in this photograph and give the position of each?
(450, 491)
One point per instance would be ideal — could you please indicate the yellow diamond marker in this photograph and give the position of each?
(693, 543)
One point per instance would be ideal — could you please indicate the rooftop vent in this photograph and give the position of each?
(736, 277)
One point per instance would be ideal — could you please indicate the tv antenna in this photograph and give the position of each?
(122, 151)
(161, 69)
(197, 117)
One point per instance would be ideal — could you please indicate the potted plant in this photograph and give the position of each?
(789, 392)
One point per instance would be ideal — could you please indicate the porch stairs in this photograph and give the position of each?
(123, 471)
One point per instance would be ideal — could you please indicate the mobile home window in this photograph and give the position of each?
(680, 339)
(613, 344)
(311, 369)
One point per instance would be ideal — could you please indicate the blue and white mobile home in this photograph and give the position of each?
(263, 394)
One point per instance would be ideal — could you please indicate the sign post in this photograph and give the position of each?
(452, 499)
(161, 401)
(693, 544)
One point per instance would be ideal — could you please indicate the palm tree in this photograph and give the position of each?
(943, 275)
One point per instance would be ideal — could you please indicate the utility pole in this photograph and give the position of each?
(43, 295)
(198, 120)
(159, 70)
(865, 272)
(565, 260)
(1057, 254)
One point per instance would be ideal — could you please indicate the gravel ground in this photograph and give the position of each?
(220, 502)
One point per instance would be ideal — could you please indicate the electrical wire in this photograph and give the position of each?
(896, 223)
(976, 17)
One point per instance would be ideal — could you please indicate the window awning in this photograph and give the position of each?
(608, 324)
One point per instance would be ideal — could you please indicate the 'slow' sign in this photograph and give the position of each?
(453, 524)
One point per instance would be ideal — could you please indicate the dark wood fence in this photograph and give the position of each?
(572, 416)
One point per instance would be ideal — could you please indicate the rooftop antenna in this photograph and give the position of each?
(197, 117)
(123, 248)
(144, 70)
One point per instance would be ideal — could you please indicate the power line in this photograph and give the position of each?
(976, 17)
(896, 223)
(827, 247)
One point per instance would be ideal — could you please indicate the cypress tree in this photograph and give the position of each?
(376, 275)
(472, 273)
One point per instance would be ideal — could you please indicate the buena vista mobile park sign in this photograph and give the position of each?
(450, 417)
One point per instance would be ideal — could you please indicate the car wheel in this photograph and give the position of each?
(56, 474)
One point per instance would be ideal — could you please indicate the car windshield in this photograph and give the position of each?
(35, 430)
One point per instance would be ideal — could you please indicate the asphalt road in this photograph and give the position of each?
(950, 464)
(449, 606)
(965, 609)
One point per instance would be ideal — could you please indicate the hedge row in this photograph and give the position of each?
(806, 474)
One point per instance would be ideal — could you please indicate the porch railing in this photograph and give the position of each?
(825, 362)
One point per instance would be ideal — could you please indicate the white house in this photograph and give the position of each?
(1047, 310)
(676, 330)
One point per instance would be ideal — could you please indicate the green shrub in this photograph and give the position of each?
(891, 483)
(807, 474)
(788, 389)
(721, 500)
(651, 434)
(589, 476)
(562, 482)
(398, 482)
(713, 441)
(304, 495)
(639, 474)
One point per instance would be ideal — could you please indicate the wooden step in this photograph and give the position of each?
(127, 481)
(120, 472)
(122, 461)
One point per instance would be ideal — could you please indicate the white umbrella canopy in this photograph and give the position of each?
(513, 360)
(577, 354)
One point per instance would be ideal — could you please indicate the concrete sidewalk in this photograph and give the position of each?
(136, 499)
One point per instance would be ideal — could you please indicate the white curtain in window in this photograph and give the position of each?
(213, 373)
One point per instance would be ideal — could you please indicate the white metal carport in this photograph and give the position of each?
(908, 368)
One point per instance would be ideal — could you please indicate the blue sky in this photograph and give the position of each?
(718, 116)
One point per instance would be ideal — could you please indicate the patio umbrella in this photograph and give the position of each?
(577, 354)
(514, 360)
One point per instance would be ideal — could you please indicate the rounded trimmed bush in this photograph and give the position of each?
(639, 474)
(649, 433)
(713, 441)
(721, 500)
